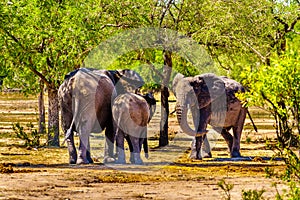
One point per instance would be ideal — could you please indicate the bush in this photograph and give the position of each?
(29, 135)
(252, 194)
(276, 89)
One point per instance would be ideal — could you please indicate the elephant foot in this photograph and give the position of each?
(72, 160)
(235, 154)
(89, 158)
(108, 159)
(198, 158)
(207, 155)
(193, 154)
(131, 160)
(120, 161)
(138, 162)
(81, 161)
(135, 158)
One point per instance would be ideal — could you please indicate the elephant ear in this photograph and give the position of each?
(126, 80)
(151, 102)
(211, 84)
(175, 82)
(232, 87)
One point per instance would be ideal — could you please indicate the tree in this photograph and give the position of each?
(43, 41)
(275, 87)
(48, 39)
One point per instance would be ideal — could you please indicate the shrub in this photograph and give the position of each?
(29, 135)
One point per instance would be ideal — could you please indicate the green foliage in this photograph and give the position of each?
(45, 40)
(252, 194)
(226, 187)
(29, 135)
(276, 88)
(292, 194)
(269, 172)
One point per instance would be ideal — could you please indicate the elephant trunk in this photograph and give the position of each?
(181, 111)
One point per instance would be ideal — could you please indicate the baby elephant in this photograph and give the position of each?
(131, 113)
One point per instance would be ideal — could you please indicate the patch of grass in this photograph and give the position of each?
(29, 135)
(252, 194)
(226, 187)
(248, 140)
(10, 96)
(122, 177)
(7, 168)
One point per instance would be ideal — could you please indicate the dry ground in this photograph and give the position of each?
(43, 173)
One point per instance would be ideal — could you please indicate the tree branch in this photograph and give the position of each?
(263, 58)
(114, 25)
(293, 24)
(155, 70)
(38, 73)
(13, 37)
(164, 12)
(286, 26)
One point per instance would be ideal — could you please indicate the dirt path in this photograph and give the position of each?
(44, 173)
(91, 182)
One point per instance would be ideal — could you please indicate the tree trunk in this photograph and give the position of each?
(53, 117)
(163, 136)
(41, 109)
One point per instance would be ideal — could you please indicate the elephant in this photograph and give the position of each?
(131, 113)
(85, 98)
(212, 100)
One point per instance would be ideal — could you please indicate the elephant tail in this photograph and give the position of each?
(146, 149)
(69, 132)
(255, 128)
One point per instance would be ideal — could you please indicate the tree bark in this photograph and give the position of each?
(53, 117)
(163, 136)
(41, 109)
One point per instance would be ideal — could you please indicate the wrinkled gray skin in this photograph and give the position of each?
(85, 101)
(131, 113)
(212, 101)
(206, 153)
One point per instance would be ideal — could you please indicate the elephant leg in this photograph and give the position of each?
(199, 141)
(144, 142)
(83, 146)
(237, 133)
(72, 149)
(120, 145)
(88, 153)
(228, 138)
(205, 114)
(136, 150)
(193, 154)
(109, 144)
(130, 148)
(206, 150)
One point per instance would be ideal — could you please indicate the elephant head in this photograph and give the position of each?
(126, 80)
(198, 92)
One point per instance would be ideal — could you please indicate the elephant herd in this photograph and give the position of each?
(92, 100)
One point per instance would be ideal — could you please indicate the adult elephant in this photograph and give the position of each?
(85, 100)
(212, 101)
(131, 113)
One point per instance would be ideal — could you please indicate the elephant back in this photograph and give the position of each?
(130, 112)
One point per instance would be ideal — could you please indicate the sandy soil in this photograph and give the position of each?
(168, 174)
